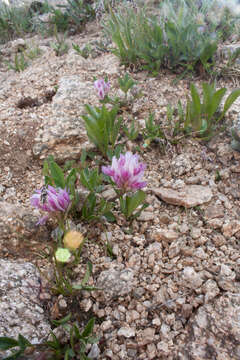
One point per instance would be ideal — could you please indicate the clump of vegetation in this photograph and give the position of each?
(202, 117)
(53, 349)
(20, 63)
(73, 16)
(177, 36)
(14, 22)
(17, 21)
(60, 46)
(84, 51)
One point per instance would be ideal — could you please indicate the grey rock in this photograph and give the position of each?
(164, 219)
(181, 165)
(18, 223)
(94, 352)
(116, 282)
(214, 331)
(191, 278)
(210, 290)
(63, 133)
(226, 279)
(20, 308)
(230, 228)
(175, 248)
(109, 194)
(138, 292)
(146, 336)
(127, 332)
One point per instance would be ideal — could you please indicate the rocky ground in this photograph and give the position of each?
(172, 287)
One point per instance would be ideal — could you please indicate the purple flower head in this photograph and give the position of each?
(51, 200)
(102, 88)
(126, 172)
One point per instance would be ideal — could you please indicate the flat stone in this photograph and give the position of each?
(189, 196)
(214, 211)
(165, 235)
(146, 216)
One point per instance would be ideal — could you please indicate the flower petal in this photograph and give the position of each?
(126, 172)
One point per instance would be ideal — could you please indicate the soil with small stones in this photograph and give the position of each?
(152, 320)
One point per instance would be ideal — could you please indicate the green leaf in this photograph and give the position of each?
(63, 320)
(96, 127)
(93, 340)
(83, 156)
(87, 273)
(207, 53)
(88, 328)
(69, 354)
(84, 178)
(196, 100)
(89, 206)
(109, 216)
(77, 287)
(216, 100)
(204, 127)
(90, 288)
(134, 201)
(23, 342)
(7, 343)
(116, 130)
(208, 92)
(57, 174)
(144, 206)
(45, 168)
(76, 331)
(229, 101)
(54, 344)
(71, 179)
(123, 205)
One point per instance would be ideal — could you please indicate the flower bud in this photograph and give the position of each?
(73, 239)
(62, 255)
